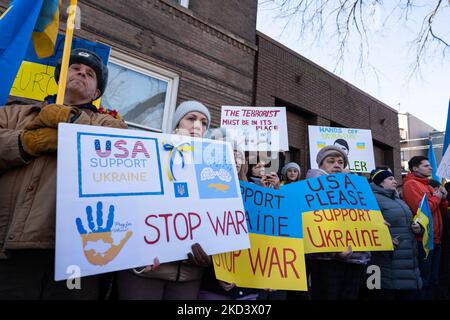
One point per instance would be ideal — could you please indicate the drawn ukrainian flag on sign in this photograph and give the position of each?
(22, 21)
(321, 144)
(360, 145)
(425, 219)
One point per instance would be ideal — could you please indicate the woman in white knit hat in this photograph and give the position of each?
(179, 280)
(291, 172)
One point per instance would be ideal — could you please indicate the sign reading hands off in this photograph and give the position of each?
(125, 197)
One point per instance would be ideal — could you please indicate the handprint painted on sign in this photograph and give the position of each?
(100, 237)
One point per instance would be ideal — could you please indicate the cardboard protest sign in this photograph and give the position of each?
(339, 211)
(356, 143)
(444, 167)
(125, 197)
(36, 77)
(276, 258)
(256, 128)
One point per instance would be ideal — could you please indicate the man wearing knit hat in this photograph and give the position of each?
(330, 159)
(28, 145)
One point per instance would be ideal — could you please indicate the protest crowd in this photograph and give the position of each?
(418, 267)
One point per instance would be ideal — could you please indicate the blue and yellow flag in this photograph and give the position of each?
(425, 219)
(22, 21)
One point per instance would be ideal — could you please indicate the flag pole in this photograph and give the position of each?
(66, 54)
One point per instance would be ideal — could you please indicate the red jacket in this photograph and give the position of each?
(413, 190)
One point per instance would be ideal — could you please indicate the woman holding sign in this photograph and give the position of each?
(335, 276)
(179, 280)
(400, 275)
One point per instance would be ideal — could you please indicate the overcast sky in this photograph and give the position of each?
(426, 95)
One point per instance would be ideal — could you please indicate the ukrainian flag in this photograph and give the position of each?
(360, 145)
(22, 21)
(425, 219)
(321, 144)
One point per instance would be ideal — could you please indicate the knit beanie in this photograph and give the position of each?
(328, 150)
(189, 106)
(290, 165)
(379, 176)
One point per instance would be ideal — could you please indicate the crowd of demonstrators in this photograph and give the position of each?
(179, 280)
(28, 138)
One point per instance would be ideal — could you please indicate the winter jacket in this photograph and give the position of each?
(413, 190)
(28, 187)
(399, 268)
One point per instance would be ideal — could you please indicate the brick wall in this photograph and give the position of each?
(323, 98)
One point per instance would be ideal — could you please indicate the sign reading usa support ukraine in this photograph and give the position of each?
(125, 197)
(276, 258)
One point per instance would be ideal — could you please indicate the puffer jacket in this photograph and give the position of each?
(28, 188)
(399, 268)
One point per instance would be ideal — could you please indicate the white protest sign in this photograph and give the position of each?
(444, 167)
(125, 197)
(356, 143)
(256, 128)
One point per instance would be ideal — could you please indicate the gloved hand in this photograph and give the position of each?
(51, 115)
(39, 141)
(199, 257)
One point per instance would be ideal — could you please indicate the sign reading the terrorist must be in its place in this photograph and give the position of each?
(356, 143)
(125, 197)
(256, 128)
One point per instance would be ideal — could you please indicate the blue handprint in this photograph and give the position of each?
(90, 219)
(100, 233)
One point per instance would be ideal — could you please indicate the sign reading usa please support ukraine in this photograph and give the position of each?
(340, 210)
(125, 197)
(276, 257)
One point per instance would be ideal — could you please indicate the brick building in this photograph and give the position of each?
(167, 51)
(314, 96)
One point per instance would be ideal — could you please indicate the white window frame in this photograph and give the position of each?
(172, 79)
(184, 3)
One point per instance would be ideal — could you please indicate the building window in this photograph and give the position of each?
(144, 94)
(184, 3)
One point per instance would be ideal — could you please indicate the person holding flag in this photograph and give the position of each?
(28, 145)
(416, 186)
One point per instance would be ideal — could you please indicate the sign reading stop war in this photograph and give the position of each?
(125, 197)
(276, 258)
(341, 211)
